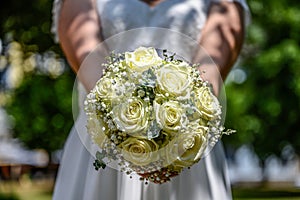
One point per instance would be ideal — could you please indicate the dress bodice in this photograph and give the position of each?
(175, 24)
(171, 24)
(184, 16)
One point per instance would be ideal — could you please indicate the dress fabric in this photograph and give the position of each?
(77, 179)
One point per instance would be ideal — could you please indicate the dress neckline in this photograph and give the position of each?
(150, 6)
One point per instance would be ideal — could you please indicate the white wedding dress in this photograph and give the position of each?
(77, 179)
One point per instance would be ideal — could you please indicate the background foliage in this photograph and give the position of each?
(263, 90)
(265, 107)
(36, 84)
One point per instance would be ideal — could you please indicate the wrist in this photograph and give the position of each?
(211, 74)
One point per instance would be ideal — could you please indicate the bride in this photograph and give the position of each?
(217, 26)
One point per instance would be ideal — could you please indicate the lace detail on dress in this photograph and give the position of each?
(55, 17)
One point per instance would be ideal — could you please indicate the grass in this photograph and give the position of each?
(41, 189)
(26, 189)
(266, 191)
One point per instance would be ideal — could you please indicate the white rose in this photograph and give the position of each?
(187, 148)
(104, 88)
(174, 79)
(142, 59)
(98, 130)
(140, 152)
(131, 116)
(169, 115)
(207, 103)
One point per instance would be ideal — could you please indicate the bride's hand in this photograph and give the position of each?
(210, 72)
(222, 38)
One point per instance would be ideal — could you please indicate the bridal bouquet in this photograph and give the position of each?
(152, 115)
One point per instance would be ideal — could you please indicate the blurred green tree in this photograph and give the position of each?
(264, 109)
(36, 87)
(41, 110)
(29, 23)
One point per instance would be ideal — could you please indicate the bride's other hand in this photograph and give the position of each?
(222, 38)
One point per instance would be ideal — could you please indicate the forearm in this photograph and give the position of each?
(79, 34)
(222, 38)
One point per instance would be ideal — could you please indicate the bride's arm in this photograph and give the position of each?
(222, 38)
(79, 34)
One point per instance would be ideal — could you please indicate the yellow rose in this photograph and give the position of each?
(169, 115)
(131, 116)
(140, 152)
(187, 148)
(142, 59)
(206, 102)
(174, 79)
